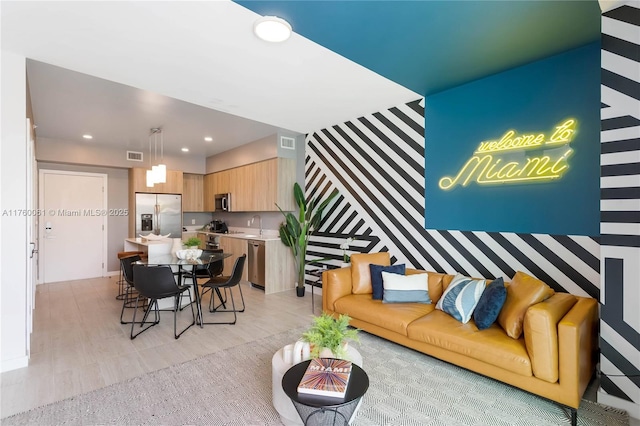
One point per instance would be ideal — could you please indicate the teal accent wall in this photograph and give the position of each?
(534, 98)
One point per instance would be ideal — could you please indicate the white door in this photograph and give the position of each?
(32, 233)
(74, 225)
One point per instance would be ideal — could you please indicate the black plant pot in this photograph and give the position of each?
(300, 291)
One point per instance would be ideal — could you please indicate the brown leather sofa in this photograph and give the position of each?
(555, 358)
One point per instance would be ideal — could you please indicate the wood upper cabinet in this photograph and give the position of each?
(255, 187)
(259, 186)
(222, 181)
(192, 193)
(215, 183)
(138, 182)
(209, 192)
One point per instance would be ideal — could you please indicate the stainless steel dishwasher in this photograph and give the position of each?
(256, 263)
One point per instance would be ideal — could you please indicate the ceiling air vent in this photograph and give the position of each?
(287, 143)
(134, 156)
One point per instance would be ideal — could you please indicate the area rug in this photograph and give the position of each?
(233, 387)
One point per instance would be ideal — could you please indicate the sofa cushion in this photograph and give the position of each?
(376, 277)
(391, 316)
(360, 272)
(461, 297)
(541, 334)
(491, 346)
(490, 304)
(523, 292)
(405, 288)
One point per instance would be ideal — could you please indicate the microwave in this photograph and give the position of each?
(223, 202)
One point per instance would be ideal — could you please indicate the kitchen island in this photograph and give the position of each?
(150, 247)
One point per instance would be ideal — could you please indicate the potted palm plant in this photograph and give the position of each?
(295, 231)
(328, 336)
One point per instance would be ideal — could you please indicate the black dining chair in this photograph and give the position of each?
(122, 283)
(155, 283)
(206, 272)
(128, 297)
(226, 283)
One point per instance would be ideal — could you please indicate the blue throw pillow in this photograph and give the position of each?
(490, 304)
(376, 277)
(461, 297)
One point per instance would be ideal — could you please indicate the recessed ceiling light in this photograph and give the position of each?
(87, 136)
(272, 29)
(208, 139)
(185, 149)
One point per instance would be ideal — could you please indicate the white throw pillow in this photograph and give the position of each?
(405, 288)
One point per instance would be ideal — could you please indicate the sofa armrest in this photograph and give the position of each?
(336, 283)
(578, 345)
(541, 334)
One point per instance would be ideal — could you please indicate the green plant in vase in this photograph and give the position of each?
(192, 242)
(296, 231)
(330, 333)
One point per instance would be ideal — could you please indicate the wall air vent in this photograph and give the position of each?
(287, 143)
(134, 156)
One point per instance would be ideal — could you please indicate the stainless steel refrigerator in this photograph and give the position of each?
(160, 214)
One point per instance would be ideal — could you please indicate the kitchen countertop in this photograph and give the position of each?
(245, 235)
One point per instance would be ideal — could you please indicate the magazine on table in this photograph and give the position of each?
(326, 377)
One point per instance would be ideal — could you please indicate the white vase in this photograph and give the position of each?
(328, 353)
(346, 264)
(177, 245)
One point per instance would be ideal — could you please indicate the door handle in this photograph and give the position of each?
(33, 250)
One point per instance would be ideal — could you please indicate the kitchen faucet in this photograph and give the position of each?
(260, 219)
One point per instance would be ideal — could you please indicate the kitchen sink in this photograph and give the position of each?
(250, 236)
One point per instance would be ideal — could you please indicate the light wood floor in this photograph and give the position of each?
(79, 345)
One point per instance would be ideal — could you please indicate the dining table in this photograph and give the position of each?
(179, 266)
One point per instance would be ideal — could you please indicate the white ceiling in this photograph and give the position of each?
(160, 54)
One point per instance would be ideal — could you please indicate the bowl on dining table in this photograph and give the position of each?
(188, 254)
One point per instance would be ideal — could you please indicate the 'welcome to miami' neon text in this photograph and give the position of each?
(489, 164)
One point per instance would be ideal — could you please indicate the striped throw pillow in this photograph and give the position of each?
(461, 297)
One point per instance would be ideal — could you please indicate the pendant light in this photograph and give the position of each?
(150, 177)
(158, 173)
(161, 169)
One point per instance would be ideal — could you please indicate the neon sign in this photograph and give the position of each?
(484, 168)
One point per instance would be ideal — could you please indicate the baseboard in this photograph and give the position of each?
(613, 401)
(14, 364)
(112, 273)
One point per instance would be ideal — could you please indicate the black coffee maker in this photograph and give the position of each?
(219, 226)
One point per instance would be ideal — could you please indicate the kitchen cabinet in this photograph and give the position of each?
(237, 247)
(138, 182)
(203, 240)
(215, 183)
(280, 269)
(192, 193)
(208, 190)
(255, 187)
(243, 181)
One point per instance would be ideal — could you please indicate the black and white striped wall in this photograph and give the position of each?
(620, 209)
(377, 164)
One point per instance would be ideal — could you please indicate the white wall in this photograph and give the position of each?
(61, 151)
(253, 152)
(14, 244)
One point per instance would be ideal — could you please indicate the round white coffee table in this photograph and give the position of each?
(281, 401)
